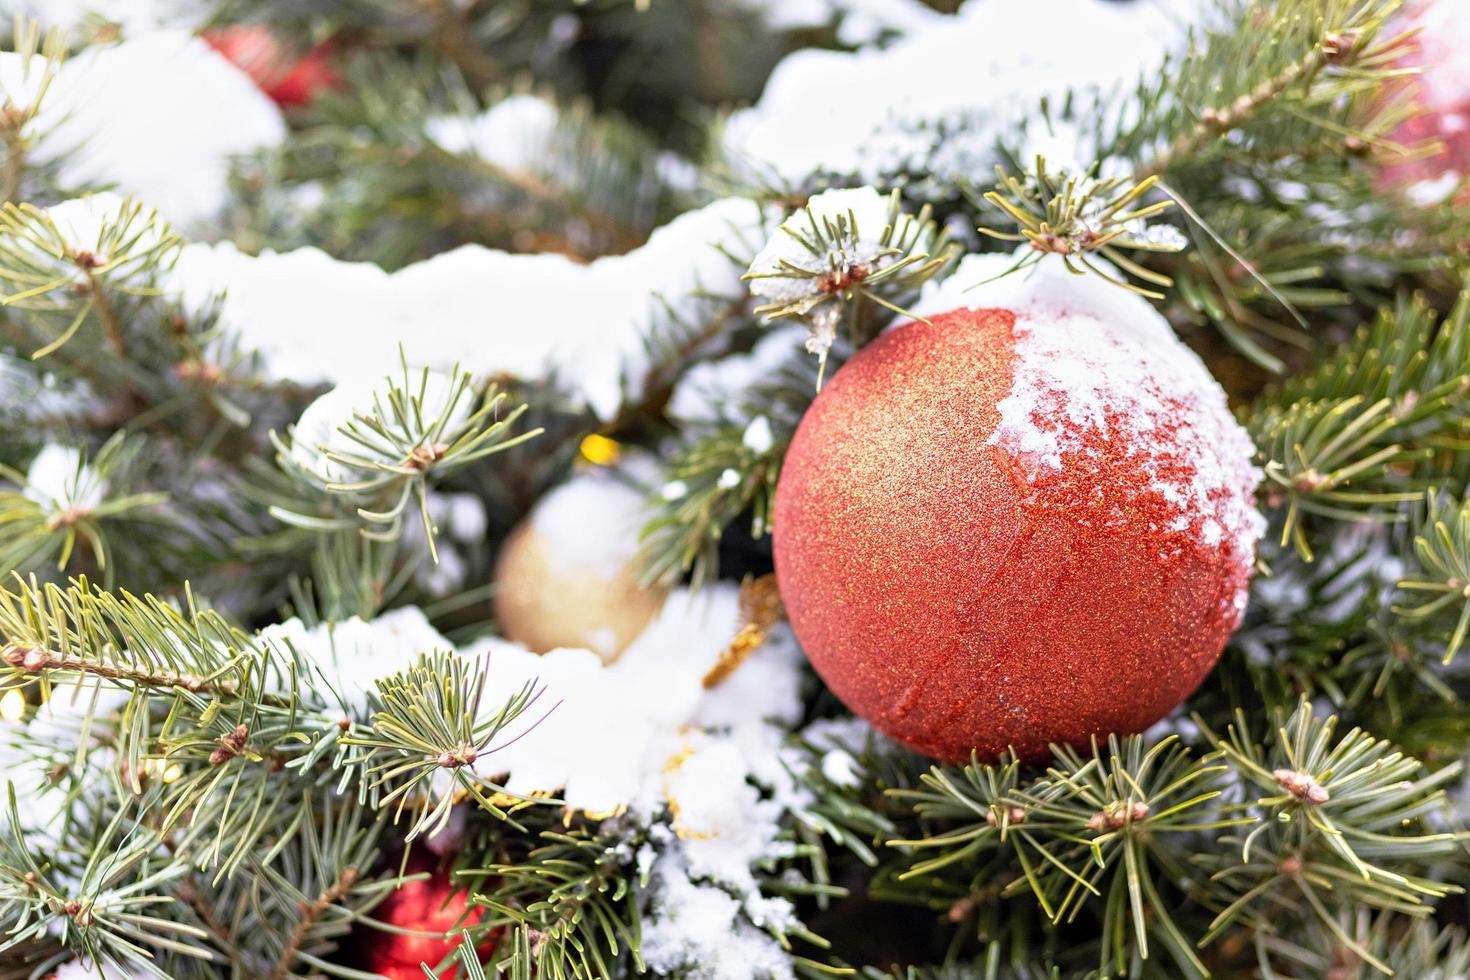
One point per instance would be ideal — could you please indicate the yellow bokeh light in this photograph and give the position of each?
(12, 705)
(172, 772)
(600, 450)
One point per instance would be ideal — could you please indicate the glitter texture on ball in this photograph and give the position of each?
(1018, 525)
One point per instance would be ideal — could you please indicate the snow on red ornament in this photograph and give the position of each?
(1440, 50)
(428, 905)
(289, 82)
(1023, 523)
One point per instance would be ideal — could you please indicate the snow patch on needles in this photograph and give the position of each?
(59, 480)
(640, 709)
(715, 390)
(858, 22)
(514, 134)
(1090, 355)
(860, 212)
(113, 112)
(871, 112)
(316, 319)
(318, 434)
(590, 525)
(697, 931)
(349, 657)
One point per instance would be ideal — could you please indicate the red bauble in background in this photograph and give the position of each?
(289, 82)
(1016, 527)
(431, 905)
(1441, 52)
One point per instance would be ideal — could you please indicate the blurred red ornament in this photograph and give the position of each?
(958, 602)
(432, 905)
(1440, 50)
(256, 51)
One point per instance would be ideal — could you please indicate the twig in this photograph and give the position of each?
(107, 315)
(309, 915)
(36, 660)
(1215, 123)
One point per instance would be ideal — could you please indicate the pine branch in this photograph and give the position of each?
(309, 916)
(571, 905)
(421, 749)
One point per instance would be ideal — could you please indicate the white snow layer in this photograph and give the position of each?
(612, 729)
(861, 211)
(872, 111)
(591, 525)
(59, 480)
(1091, 354)
(317, 319)
(115, 111)
(132, 16)
(858, 21)
(320, 430)
(513, 134)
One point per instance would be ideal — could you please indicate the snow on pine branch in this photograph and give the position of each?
(936, 101)
(318, 319)
(112, 112)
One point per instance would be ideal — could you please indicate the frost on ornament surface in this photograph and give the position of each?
(1097, 367)
(114, 111)
(936, 101)
(317, 319)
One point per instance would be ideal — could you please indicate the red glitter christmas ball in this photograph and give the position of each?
(431, 905)
(289, 82)
(1017, 527)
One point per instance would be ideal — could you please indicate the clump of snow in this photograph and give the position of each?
(514, 134)
(316, 319)
(132, 16)
(96, 223)
(39, 758)
(640, 707)
(936, 100)
(861, 213)
(590, 525)
(724, 821)
(114, 111)
(1091, 355)
(22, 80)
(697, 930)
(858, 22)
(712, 390)
(59, 480)
(349, 658)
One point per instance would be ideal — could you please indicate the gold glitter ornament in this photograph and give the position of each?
(569, 576)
